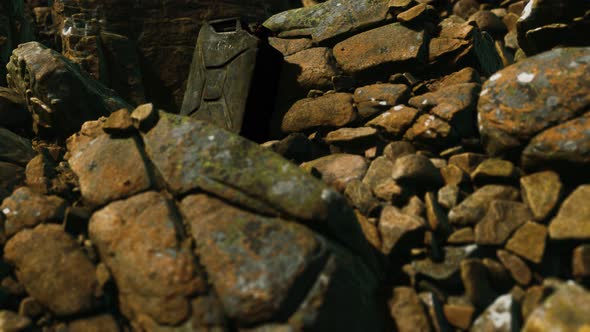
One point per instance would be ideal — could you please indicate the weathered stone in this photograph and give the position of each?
(459, 316)
(369, 228)
(497, 317)
(53, 269)
(26, 209)
(11, 175)
(565, 146)
(436, 217)
(328, 20)
(397, 227)
(448, 196)
(13, 322)
(494, 171)
(465, 75)
(572, 220)
(350, 136)
(462, 236)
(359, 194)
(99, 323)
(510, 115)
(447, 271)
(566, 310)
(474, 207)
(476, 282)
(581, 261)
(332, 110)
(398, 149)
(441, 47)
(39, 173)
(144, 116)
(189, 155)
(415, 207)
(15, 149)
(534, 298)
(60, 98)
(500, 221)
(454, 176)
(416, 168)
(488, 21)
(118, 122)
(416, 14)
(379, 171)
(465, 8)
(308, 69)
(380, 95)
(105, 176)
(407, 311)
(290, 46)
(541, 192)
(467, 161)
(429, 130)
(396, 120)
(155, 273)
(30, 307)
(518, 269)
(251, 279)
(529, 242)
(376, 50)
(338, 170)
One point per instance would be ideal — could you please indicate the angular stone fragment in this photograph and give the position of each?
(416, 168)
(103, 174)
(398, 149)
(529, 242)
(447, 271)
(581, 261)
(501, 219)
(338, 170)
(26, 209)
(15, 149)
(474, 207)
(60, 97)
(396, 120)
(494, 171)
(566, 310)
(454, 104)
(448, 196)
(290, 46)
(487, 21)
(376, 50)
(407, 311)
(462, 236)
(541, 192)
(251, 260)
(497, 317)
(329, 19)
(308, 69)
(350, 136)
(467, 161)
(429, 130)
(332, 110)
(518, 269)
(156, 274)
(53, 269)
(371, 99)
(379, 171)
(397, 227)
(510, 114)
(359, 194)
(573, 219)
(118, 122)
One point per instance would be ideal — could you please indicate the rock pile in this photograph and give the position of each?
(427, 169)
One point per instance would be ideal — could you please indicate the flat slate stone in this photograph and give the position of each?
(376, 49)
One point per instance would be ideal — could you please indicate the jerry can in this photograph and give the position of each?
(221, 74)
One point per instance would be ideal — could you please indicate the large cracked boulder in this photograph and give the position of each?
(539, 105)
(59, 96)
(222, 223)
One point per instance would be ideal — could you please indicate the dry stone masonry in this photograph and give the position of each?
(338, 165)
